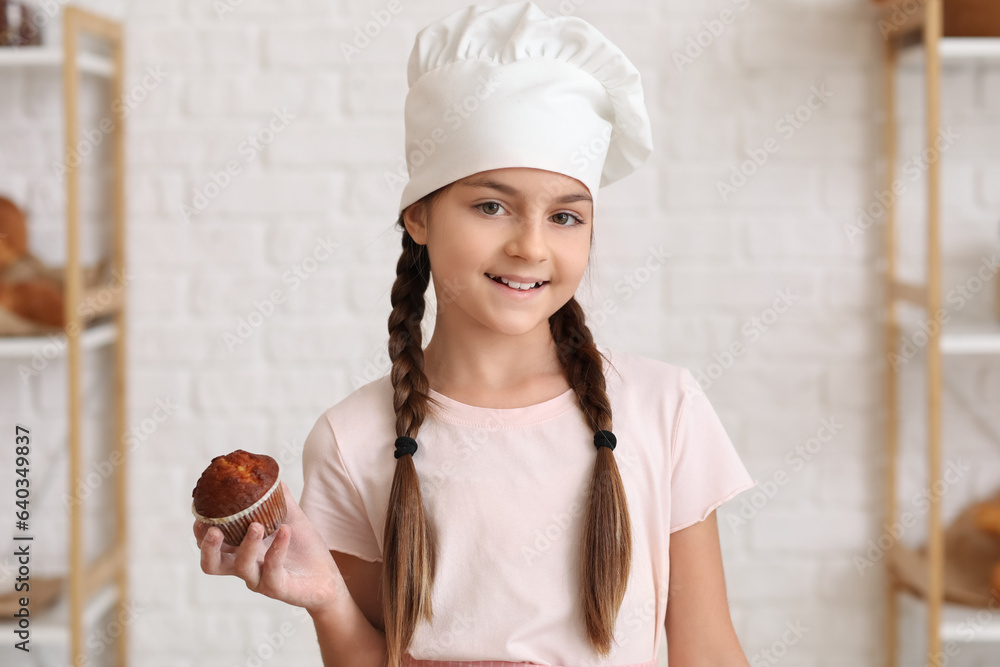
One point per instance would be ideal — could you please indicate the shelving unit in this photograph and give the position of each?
(971, 338)
(91, 338)
(921, 41)
(955, 624)
(98, 587)
(956, 49)
(87, 63)
(54, 627)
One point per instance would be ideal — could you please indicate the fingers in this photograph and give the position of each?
(211, 551)
(272, 571)
(245, 564)
(199, 531)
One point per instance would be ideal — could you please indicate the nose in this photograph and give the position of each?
(527, 239)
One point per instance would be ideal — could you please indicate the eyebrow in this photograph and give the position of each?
(514, 192)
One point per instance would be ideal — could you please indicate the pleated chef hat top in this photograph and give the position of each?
(511, 87)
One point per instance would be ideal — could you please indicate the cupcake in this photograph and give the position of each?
(237, 489)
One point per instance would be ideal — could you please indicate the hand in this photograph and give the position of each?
(292, 565)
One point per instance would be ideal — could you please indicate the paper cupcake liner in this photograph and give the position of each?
(269, 511)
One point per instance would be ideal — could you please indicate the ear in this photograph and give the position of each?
(414, 217)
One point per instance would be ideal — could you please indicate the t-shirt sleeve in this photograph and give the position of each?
(705, 469)
(330, 499)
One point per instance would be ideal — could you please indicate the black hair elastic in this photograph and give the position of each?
(605, 439)
(404, 446)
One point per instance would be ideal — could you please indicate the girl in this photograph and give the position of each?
(560, 506)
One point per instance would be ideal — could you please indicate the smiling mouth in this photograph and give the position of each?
(513, 285)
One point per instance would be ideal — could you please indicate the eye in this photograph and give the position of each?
(491, 204)
(570, 218)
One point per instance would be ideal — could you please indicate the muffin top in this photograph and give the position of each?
(233, 482)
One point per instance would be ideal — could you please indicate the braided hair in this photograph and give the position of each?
(409, 548)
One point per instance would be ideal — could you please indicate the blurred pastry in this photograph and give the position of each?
(13, 233)
(988, 517)
(36, 300)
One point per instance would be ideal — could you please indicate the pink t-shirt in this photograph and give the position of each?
(505, 491)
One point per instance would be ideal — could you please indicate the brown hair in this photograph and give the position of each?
(409, 548)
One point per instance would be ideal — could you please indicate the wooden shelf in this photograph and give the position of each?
(947, 573)
(51, 627)
(91, 589)
(47, 56)
(971, 338)
(959, 623)
(966, 583)
(955, 49)
(22, 347)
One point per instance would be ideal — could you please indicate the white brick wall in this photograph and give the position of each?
(322, 177)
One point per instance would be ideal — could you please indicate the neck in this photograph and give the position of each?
(488, 364)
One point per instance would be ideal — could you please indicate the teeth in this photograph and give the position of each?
(510, 283)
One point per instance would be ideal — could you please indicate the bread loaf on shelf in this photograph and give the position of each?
(988, 517)
(13, 233)
(36, 300)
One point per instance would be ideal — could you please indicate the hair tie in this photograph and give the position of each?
(605, 439)
(404, 446)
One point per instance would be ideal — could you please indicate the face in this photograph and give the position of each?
(520, 226)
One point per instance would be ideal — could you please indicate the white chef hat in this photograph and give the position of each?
(512, 87)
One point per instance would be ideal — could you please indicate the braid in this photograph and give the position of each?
(405, 337)
(607, 539)
(409, 558)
